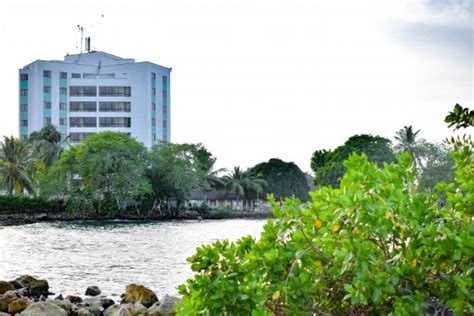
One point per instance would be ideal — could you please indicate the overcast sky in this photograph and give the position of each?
(254, 80)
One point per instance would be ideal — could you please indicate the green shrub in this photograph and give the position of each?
(376, 245)
(23, 204)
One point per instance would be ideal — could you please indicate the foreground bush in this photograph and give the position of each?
(374, 246)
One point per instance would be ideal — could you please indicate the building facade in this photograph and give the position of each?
(93, 92)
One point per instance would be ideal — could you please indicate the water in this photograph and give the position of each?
(74, 255)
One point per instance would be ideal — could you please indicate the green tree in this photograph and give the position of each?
(243, 182)
(46, 145)
(16, 171)
(284, 179)
(438, 165)
(105, 172)
(208, 177)
(328, 165)
(407, 141)
(174, 172)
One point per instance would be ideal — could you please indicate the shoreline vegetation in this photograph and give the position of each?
(29, 296)
(12, 218)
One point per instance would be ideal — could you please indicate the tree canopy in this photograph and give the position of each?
(327, 165)
(284, 179)
(103, 172)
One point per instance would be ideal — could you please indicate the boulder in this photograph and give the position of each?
(106, 302)
(38, 288)
(135, 293)
(5, 287)
(74, 299)
(166, 306)
(6, 299)
(18, 305)
(84, 312)
(64, 304)
(43, 308)
(126, 310)
(24, 280)
(93, 290)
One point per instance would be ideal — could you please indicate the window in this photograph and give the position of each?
(62, 106)
(165, 138)
(165, 80)
(63, 91)
(83, 106)
(153, 91)
(165, 109)
(47, 121)
(165, 124)
(77, 137)
(83, 122)
(73, 75)
(63, 75)
(47, 73)
(83, 91)
(24, 122)
(153, 76)
(24, 107)
(114, 122)
(153, 121)
(63, 136)
(165, 94)
(115, 91)
(62, 121)
(153, 106)
(24, 77)
(153, 136)
(47, 89)
(24, 137)
(47, 105)
(23, 91)
(114, 106)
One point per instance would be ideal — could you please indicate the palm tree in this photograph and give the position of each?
(15, 166)
(407, 141)
(209, 178)
(241, 182)
(46, 144)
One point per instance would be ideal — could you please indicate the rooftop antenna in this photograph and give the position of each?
(81, 29)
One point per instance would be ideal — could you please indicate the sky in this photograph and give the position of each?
(254, 80)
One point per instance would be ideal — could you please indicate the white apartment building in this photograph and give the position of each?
(92, 92)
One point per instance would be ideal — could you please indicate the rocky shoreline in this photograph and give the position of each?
(30, 217)
(29, 296)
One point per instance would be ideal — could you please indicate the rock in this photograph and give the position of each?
(93, 290)
(166, 306)
(59, 297)
(18, 305)
(126, 310)
(84, 312)
(16, 284)
(64, 304)
(6, 299)
(135, 293)
(106, 302)
(4, 314)
(25, 280)
(38, 288)
(5, 287)
(74, 299)
(43, 308)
